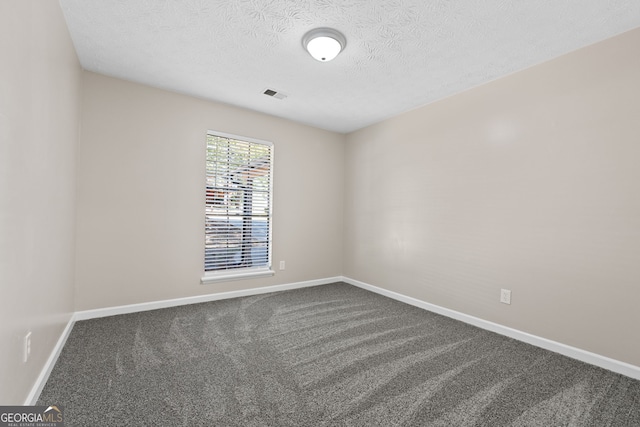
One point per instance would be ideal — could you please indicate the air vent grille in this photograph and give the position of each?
(274, 94)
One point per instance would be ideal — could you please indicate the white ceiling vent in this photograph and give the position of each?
(274, 94)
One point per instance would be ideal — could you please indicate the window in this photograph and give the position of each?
(237, 208)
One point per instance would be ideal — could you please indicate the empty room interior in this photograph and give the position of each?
(441, 225)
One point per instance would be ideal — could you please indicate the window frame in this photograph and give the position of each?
(241, 273)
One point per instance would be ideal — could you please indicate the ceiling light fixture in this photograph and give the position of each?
(324, 44)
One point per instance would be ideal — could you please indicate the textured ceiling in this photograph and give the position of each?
(400, 54)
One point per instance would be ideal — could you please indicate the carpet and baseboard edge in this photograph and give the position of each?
(554, 346)
(617, 366)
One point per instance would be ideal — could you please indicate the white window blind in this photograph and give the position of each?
(238, 205)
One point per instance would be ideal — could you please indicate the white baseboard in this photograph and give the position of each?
(154, 305)
(566, 350)
(32, 398)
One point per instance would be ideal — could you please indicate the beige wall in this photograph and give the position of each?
(141, 194)
(39, 116)
(528, 183)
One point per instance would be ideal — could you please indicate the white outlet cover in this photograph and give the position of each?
(27, 347)
(505, 296)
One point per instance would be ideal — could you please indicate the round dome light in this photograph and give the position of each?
(324, 44)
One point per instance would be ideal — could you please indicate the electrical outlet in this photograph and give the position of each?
(26, 351)
(281, 265)
(505, 296)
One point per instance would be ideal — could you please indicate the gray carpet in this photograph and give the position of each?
(331, 355)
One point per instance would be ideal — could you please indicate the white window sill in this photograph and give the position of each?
(227, 276)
